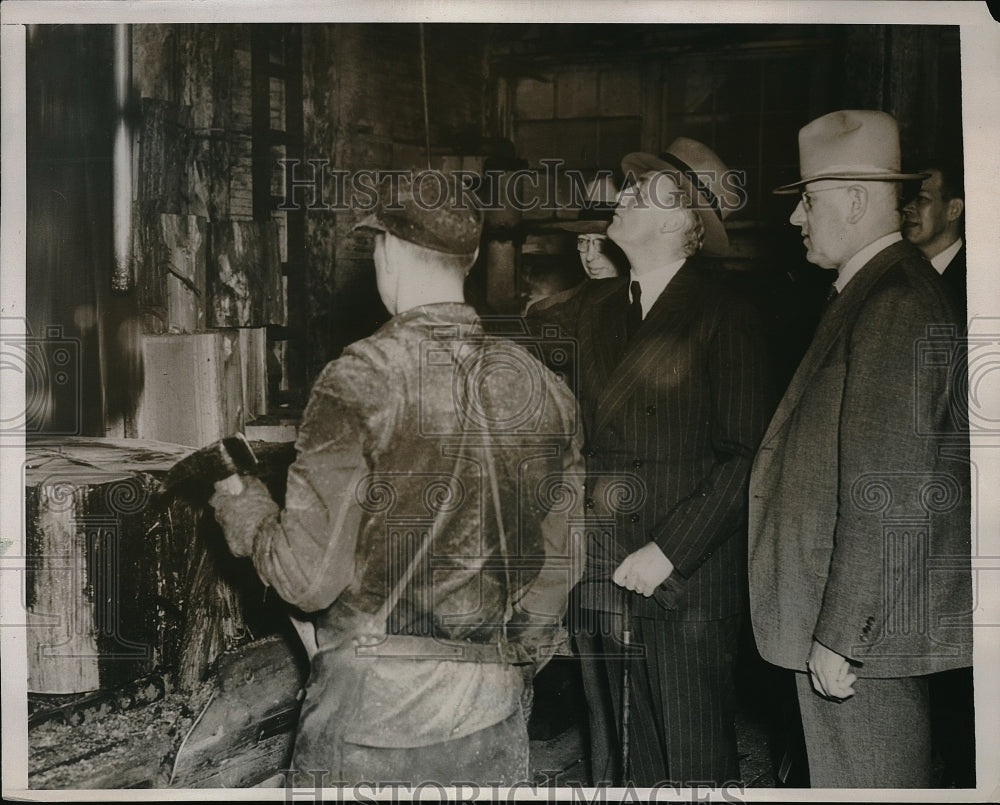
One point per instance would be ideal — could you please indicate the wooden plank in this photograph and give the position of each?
(244, 274)
(192, 389)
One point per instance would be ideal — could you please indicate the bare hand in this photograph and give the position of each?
(643, 570)
(830, 673)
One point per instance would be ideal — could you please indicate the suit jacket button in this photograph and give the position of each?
(637, 463)
(591, 454)
(634, 518)
(589, 503)
(650, 410)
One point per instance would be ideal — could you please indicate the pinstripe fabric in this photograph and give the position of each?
(674, 415)
(678, 413)
(689, 728)
(683, 700)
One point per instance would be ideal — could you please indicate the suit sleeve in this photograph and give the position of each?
(741, 402)
(306, 551)
(882, 400)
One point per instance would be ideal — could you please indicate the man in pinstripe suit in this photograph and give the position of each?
(675, 395)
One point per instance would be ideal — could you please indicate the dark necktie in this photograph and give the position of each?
(635, 309)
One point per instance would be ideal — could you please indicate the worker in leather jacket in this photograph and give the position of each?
(429, 524)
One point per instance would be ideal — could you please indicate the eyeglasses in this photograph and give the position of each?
(583, 242)
(806, 197)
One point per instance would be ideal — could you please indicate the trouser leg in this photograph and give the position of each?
(598, 647)
(685, 727)
(878, 738)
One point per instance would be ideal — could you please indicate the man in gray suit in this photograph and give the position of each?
(859, 547)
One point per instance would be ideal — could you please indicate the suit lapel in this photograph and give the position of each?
(829, 330)
(607, 330)
(643, 356)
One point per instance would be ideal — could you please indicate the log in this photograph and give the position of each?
(246, 733)
(105, 584)
(244, 275)
(192, 389)
(235, 729)
(122, 581)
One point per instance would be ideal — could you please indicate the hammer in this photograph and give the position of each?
(202, 468)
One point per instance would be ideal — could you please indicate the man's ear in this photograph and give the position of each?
(858, 196)
(956, 207)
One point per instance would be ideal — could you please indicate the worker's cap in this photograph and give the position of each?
(430, 212)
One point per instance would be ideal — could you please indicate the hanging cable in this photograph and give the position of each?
(423, 78)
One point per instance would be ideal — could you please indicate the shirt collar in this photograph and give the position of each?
(856, 263)
(653, 282)
(941, 261)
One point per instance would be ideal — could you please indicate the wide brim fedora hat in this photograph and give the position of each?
(699, 173)
(850, 145)
(595, 213)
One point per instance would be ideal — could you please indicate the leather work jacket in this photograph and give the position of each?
(435, 493)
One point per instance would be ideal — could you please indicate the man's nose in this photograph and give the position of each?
(798, 216)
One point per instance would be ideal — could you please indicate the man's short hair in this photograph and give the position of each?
(432, 258)
(694, 235)
(952, 178)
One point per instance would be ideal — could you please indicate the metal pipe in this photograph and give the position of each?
(121, 199)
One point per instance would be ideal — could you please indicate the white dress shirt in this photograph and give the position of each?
(856, 263)
(653, 282)
(941, 261)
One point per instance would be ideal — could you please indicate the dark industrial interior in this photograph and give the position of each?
(189, 273)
